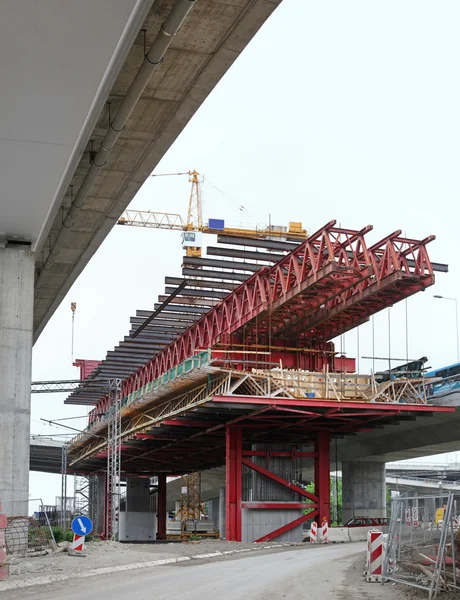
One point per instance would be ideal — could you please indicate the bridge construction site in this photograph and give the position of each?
(236, 366)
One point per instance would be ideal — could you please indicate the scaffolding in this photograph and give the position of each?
(63, 504)
(113, 459)
(190, 500)
(81, 495)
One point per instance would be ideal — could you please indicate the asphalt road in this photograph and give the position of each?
(316, 573)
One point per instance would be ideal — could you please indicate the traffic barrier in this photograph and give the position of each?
(78, 544)
(324, 532)
(314, 532)
(374, 559)
(4, 567)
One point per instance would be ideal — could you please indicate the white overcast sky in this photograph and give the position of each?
(345, 110)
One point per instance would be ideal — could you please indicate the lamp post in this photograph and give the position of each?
(456, 321)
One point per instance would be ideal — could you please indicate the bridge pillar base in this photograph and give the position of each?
(363, 490)
(16, 322)
(271, 503)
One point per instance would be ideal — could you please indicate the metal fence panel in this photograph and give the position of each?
(422, 541)
(31, 533)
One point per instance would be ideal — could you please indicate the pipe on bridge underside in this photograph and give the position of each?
(152, 59)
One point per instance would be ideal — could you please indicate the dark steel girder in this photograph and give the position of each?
(219, 264)
(193, 301)
(256, 243)
(187, 310)
(209, 274)
(202, 283)
(171, 324)
(244, 254)
(199, 293)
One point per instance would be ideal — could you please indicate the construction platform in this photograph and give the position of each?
(177, 424)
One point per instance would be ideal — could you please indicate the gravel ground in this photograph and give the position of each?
(108, 554)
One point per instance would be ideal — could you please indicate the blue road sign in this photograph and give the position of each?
(82, 525)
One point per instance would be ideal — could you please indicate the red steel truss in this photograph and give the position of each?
(329, 284)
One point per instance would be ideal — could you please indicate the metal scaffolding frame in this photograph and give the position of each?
(63, 519)
(81, 495)
(190, 499)
(113, 459)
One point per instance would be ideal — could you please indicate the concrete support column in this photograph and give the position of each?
(137, 523)
(363, 490)
(16, 320)
(221, 524)
(161, 527)
(137, 494)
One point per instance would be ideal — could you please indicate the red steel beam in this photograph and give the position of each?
(265, 453)
(234, 483)
(322, 475)
(313, 403)
(274, 505)
(280, 480)
(274, 534)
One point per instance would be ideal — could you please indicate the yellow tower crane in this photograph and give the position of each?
(193, 227)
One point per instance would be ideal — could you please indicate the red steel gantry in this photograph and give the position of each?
(326, 286)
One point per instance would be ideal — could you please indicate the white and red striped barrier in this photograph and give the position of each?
(324, 532)
(314, 533)
(374, 560)
(78, 544)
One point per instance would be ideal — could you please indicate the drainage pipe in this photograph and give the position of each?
(151, 61)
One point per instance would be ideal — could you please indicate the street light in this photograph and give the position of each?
(456, 321)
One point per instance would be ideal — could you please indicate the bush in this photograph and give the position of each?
(62, 535)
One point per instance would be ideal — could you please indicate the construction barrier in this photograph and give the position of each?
(374, 557)
(324, 532)
(314, 533)
(78, 544)
(4, 567)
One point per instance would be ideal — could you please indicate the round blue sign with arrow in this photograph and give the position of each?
(82, 525)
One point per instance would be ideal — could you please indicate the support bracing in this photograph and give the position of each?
(113, 460)
(298, 500)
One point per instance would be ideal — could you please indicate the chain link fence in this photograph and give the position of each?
(31, 533)
(422, 543)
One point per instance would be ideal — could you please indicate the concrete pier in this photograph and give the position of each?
(363, 490)
(16, 317)
(137, 522)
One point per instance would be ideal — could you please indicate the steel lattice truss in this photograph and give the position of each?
(146, 423)
(329, 284)
(113, 460)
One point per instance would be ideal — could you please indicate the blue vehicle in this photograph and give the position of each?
(450, 380)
